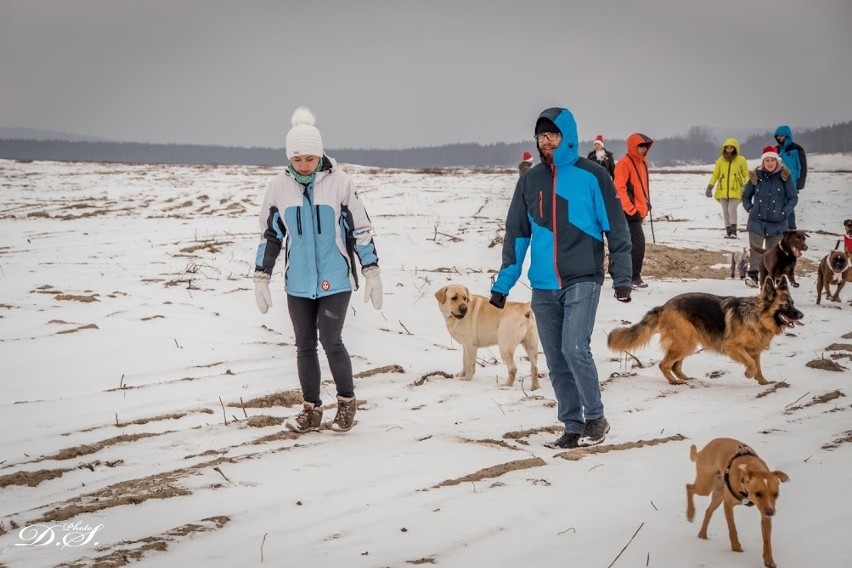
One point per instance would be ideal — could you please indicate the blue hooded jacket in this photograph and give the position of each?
(793, 156)
(560, 212)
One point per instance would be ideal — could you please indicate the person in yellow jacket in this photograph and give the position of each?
(731, 174)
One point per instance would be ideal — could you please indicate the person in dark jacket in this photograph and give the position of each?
(526, 162)
(602, 156)
(560, 211)
(769, 197)
(794, 159)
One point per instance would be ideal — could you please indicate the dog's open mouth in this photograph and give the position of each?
(797, 252)
(788, 320)
(458, 316)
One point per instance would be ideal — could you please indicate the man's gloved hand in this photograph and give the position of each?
(622, 293)
(709, 192)
(497, 300)
(261, 291)
(373, 285)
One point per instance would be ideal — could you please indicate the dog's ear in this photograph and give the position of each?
(782, 477)
(441, 295)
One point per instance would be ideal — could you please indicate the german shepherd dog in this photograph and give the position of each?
(741, 328)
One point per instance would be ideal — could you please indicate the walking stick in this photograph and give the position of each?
(651, 217)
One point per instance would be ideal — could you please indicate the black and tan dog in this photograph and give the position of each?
(780, 260)
(741, 328)
(834, 268)
(734, 474)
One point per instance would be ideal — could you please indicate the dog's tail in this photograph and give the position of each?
(757, 249)
(693, 453)
(637, 335)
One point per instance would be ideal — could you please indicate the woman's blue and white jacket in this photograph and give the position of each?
(324, 225)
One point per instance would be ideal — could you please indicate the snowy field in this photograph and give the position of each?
(144, 394)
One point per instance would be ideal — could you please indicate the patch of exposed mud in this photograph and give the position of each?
(819, 399)
(286, 399)
(844, 438)
(580, 453)
(131, 551)
(493, 471)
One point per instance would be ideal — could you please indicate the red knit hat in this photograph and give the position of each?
(599, 138)
(528, 157)
(769, 152)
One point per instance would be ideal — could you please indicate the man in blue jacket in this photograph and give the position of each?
(561, 210)
(794, 158)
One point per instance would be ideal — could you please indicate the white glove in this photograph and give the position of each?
(261, 291)
(372, 286)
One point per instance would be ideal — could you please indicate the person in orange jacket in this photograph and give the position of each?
(631, 183)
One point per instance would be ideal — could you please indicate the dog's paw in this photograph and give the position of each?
(795, 284)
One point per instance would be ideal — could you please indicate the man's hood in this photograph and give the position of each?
(785, 130)
(568, 150)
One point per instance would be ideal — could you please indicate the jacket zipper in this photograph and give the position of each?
(553, 223)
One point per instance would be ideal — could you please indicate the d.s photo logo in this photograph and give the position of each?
(63, 535)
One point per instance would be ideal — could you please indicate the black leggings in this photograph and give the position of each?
(637, 253)
(324, 317)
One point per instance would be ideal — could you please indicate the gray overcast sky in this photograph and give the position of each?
(404, 73)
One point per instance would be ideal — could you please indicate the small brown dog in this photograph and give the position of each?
(733, 473)
(474, 322)
(834, 268)
(781, 259)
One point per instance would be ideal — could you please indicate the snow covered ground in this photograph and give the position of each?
(141, 416)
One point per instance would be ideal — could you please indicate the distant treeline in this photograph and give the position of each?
(696, 147)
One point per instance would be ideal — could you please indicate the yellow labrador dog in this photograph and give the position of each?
(474, 323)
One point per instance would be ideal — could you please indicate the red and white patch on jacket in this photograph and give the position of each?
(325, 285)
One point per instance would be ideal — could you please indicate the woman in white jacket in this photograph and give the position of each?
(313, 211)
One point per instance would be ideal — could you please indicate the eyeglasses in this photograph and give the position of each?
(549, 136)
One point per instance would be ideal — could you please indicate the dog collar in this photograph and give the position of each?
(743, 450)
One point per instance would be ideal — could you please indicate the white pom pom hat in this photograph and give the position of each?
(303, 139)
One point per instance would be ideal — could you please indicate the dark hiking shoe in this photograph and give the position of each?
(308, 420)
(595, 432)
(345, 417)
(639, 283)
(751, 279)
(566, 440)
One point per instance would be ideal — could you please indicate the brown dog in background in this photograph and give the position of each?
(733, 473)
(834, 268)
(781, 259)
(474, 322)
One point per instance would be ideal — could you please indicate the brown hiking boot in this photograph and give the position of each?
(345, 418)
(308, 420)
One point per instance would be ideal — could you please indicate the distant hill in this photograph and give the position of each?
(699, 146)
(41, 134)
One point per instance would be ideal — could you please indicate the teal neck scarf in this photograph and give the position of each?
(304, 179)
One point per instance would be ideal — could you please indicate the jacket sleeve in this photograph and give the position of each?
(359, 227)
(273, 233)
(622, 178)
(717, 171)
(743, 170)
(791, 195)
(516, 241)
(748, 195)
(803, 169)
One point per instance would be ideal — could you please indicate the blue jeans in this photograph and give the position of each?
(565, 320)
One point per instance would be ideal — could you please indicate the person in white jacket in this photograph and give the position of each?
(313, 212)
